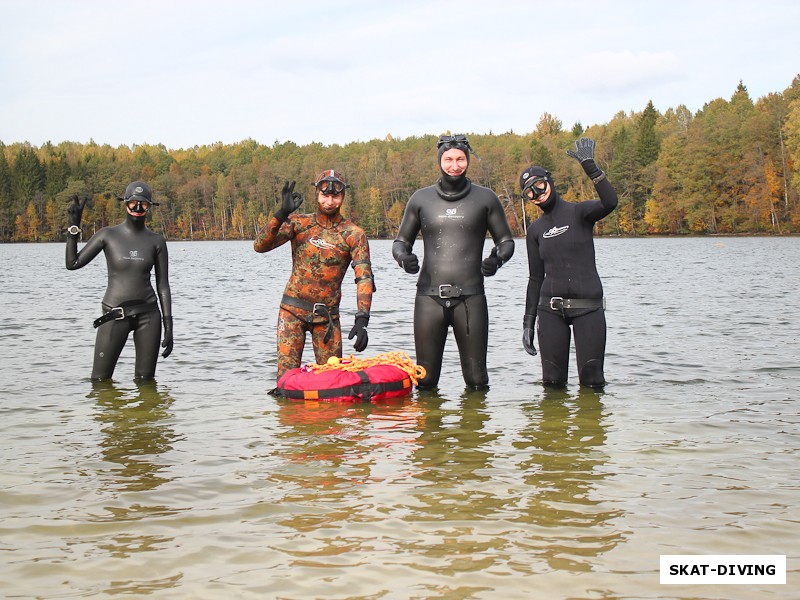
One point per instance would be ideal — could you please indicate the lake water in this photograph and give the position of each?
(201, 485)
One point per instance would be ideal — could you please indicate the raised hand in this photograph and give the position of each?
(584, 153)
(584, 150)
(75, 209)
(290, 201)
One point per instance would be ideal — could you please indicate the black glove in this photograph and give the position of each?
(359, 331)
(409, 262)
(584, 153)
(527, 334)
(75, 210)
(491, 263)
(290, 202)
(167, 343)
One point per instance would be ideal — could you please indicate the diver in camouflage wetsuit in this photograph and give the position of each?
(324, 244)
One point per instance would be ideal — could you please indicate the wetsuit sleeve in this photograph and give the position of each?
(275, 233)
(535, 275)
(76, 259)
(501, 232)
(407, 233)
(594, 210)
(162, 278)
(362, 267)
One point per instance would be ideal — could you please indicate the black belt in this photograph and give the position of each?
(127, 309)
(314, 308)
(561, 304)
(450, 290)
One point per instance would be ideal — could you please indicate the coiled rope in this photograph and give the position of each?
(401, 360)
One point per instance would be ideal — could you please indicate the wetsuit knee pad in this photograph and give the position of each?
(552, 374)
(591, 374)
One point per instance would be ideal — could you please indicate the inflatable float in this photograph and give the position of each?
(384, 377)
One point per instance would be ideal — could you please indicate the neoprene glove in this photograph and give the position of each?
(167, 343)
(527, 334)
(409, 262)
(491, 263)
(584, 153)
(290, 202)
(75, 210)
(359, 331)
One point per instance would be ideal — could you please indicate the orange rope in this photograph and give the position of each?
(401, 360)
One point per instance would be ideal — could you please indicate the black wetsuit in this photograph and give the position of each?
(131, 250)
(450, 285)
(561, 261)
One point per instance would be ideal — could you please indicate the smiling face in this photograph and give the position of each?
(538, 191)
(329, 204)
(454, 162)
(137, 207)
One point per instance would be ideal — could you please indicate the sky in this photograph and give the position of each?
(186, 73)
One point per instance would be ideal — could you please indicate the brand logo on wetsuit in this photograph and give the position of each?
(320, 243)
(132, 255)
(555, 231)
(451, 213)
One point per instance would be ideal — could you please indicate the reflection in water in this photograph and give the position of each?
(136, 432)
(563, 439)
(333, 449)
(453, 450)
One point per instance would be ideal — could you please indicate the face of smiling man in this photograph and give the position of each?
(454, 162)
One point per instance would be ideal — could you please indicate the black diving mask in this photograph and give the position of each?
(331, 187)
(535, 187)
(138, 205)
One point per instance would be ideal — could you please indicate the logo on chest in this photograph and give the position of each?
(555, 231)
(320, 243)
(132, 255)
(451, 213)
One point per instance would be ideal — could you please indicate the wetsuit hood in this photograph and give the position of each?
(542, 173)
(448, 187)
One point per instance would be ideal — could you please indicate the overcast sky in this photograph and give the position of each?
(194, 72)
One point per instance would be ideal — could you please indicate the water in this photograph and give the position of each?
(202, 486)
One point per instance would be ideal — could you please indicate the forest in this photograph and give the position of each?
(733, 167)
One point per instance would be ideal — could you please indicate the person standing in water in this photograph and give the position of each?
(324, 244)
(564, 288)
(130, 304)
(454, 216)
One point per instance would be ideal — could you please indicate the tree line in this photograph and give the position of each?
(732, 167)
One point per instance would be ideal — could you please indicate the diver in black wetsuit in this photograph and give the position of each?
(453, 215)
(564, 288)
(130, 303)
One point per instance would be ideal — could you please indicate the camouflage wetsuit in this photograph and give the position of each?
(322, 249)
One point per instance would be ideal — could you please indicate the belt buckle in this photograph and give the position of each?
(121, 313)
(446, 291)
(319, 305)
(556, 299)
